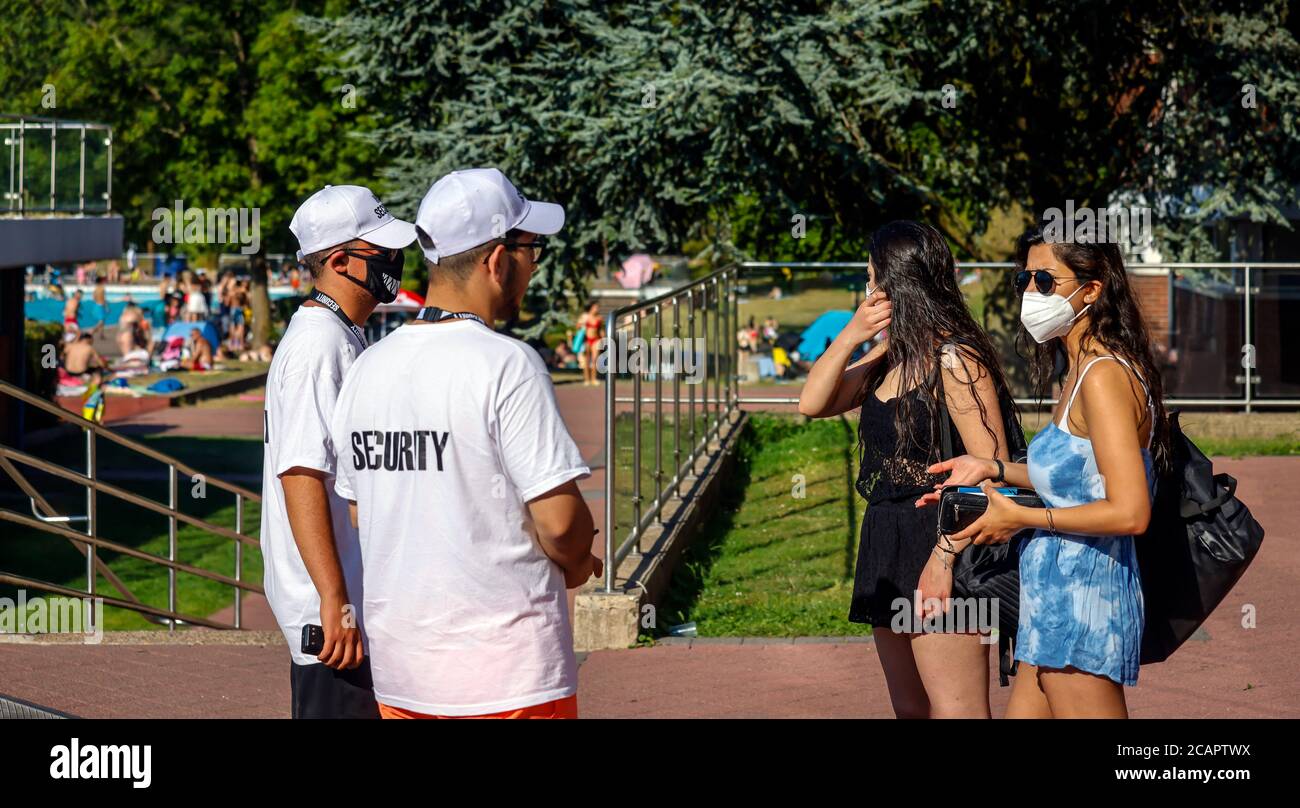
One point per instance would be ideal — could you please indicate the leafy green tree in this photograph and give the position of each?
(221, 105)
(1190, 108)
(653, 121)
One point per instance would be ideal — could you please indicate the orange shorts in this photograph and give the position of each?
(559, 708)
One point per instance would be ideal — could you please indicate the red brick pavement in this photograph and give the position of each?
(1235, 672)
(150, 681)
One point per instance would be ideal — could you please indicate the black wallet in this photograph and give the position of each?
(961, 505)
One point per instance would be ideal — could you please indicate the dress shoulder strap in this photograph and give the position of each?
(1065, 415)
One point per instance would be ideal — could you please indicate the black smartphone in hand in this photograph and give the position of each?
(313, 639)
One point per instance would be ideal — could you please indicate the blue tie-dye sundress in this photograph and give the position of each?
(1080, 596)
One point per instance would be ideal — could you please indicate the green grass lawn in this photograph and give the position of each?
(43, 556)
(777, 561)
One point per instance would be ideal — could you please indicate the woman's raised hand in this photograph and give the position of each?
(963, 470)
(871, 318)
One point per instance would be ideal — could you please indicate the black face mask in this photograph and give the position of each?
(383, 273)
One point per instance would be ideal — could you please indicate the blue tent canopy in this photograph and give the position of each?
(821, 333)
(182, 330)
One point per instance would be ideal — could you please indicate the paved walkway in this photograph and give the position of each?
(1231, 671)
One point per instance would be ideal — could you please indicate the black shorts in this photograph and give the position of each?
(321, 692)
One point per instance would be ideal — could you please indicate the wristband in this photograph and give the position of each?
(1002, 470)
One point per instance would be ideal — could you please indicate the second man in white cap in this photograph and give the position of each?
(463, 477)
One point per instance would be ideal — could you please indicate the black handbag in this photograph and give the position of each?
(1199, 542)
(991, 570)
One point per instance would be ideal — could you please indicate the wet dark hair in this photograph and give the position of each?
(1114, 322)
(915, 269)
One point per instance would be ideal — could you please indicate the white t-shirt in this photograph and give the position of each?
(445, 432)
(301, 388)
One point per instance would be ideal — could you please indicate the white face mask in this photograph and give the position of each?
(1048, 316)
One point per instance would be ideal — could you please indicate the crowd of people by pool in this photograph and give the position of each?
(187, 322)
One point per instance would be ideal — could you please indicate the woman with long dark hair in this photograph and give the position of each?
(934, 358)
(1094, 466)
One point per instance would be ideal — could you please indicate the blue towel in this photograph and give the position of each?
(167, 386)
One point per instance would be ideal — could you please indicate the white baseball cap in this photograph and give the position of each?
(337, 214)
(468, 208)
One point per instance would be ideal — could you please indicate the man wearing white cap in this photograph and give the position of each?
(463, 477)
(352, 246)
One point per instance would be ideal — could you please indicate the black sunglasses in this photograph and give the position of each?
(1044, 281)
(537, 245)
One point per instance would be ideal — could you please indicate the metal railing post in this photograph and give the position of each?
(698, 362)
(657, 355)
(636, 434)
(611, 458)
(172, 505)
(732, 327)
(735, 352)
(108, 193)
(81, 185)
(677, 396)
(717, 358)
(1250, 341)
(22, 166)
(92, 526)
(54, 144)
(239, 561)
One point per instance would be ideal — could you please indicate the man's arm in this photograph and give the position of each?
(307, 504)
(565, 531)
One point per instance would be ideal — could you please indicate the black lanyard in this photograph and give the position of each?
(329, 303)
(433, 314)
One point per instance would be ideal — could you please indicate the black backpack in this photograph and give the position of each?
(1198, 544)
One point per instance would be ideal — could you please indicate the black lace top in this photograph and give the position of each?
(884, 477)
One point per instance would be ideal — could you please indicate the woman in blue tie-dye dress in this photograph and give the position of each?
(1094, 466)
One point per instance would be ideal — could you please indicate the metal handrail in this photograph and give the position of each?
(22, 395)
(1247, 400)
(16, 191)
(92, 542)
(718, 286)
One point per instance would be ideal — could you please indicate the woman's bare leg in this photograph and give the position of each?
(954, 669)
(906, 692)
(1027, 697)
(1073, 693)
